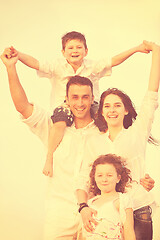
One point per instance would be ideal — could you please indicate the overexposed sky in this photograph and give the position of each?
(36, 27)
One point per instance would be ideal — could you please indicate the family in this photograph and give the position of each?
(97, 185)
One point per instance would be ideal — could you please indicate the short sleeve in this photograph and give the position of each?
(103, 67)
(46, 69)
(125, 202)
(39, 123)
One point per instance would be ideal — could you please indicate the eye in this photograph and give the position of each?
(85, 97)
(109, 175)
(118, 105)
(74, 97)
(106, 106)
(99, 175)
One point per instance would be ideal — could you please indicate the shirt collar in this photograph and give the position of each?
(107, 133)
(90, 125)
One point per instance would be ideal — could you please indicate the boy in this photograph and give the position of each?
(74, 50)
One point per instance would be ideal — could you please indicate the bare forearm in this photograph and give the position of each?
(28, 60)
(17, 93)
(82, 196)
(55, 137)
(155, 70)
(118, 59)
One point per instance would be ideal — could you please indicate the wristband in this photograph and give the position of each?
(82, 205)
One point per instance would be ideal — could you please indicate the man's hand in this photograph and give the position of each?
(88, 220)
(143, 48)
(147, 182)
(7, 59)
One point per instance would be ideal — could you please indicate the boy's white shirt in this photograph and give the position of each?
(59, 71)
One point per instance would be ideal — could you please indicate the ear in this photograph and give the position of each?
(63, 52)
(118, 178)
(126, 112)
(66, 98)
(86, 52)
(92, 99)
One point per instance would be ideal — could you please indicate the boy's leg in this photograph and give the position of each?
(62, 117)
(55, 137)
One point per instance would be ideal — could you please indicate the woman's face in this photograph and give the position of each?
(113, 111)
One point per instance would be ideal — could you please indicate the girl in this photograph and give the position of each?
(126, 135)
(108, 178)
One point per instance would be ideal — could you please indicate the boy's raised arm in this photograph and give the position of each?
(18, 94)
(118, 59)
(24, 58)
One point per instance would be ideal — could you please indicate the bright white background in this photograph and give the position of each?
(35, 27)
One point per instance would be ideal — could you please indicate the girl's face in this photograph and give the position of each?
(113, 110)
(106, 178)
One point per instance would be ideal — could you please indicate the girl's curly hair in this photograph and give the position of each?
(121, 170)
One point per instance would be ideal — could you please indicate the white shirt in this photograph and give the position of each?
(59, 71)
(67, 157)
(129, 144)
(110, 221)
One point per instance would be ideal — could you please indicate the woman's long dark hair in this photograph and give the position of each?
(121, 170)
(128, 119)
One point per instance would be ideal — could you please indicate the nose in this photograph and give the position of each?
(112, 109)
(74, 49)
(105, 179)
(80, 102)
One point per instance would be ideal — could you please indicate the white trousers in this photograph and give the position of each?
(62, 221)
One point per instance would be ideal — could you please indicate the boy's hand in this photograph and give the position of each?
(147, 182)
(88, 220)
(8, 59)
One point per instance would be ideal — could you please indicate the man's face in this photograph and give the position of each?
(80, 99)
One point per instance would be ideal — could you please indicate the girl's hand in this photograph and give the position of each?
(150, 46)
(88, 220)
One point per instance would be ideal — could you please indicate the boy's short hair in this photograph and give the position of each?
(78, 80)
(73, 35)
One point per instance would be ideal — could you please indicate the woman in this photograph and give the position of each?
(128, 138)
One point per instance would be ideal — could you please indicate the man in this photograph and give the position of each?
(62, 218)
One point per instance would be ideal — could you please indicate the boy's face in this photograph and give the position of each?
(80, 98)
(74, 52)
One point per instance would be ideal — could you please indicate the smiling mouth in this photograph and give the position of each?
(75, 56)
(80, 110)
(112, 116)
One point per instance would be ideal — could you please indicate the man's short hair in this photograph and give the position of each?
(73, 35)
(78, 80)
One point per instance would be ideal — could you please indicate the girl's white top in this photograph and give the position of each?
(110, 220)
